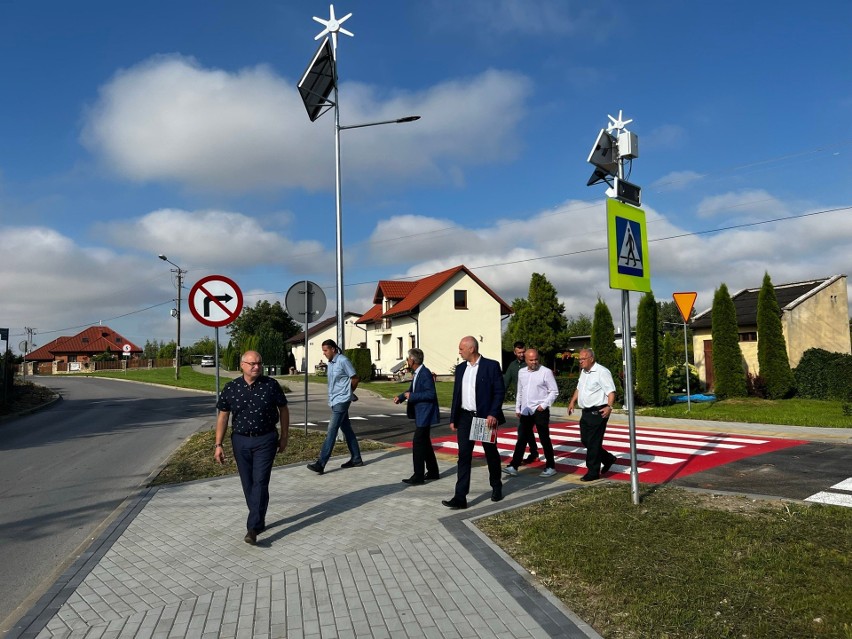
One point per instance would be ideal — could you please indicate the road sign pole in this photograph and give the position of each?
(686, 366)
(216, 361)
(307, 359)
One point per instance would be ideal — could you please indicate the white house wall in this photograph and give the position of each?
(351, 333)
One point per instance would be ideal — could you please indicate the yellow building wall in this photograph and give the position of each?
(821, 321)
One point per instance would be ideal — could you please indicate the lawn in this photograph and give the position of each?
(752, 410)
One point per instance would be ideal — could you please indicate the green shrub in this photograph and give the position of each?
(824, 375)
(676, 378)
(567, 386)
(360, 358)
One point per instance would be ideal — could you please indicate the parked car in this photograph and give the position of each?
(208, 360)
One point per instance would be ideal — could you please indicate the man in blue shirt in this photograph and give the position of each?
(342, 382)
(257, 404)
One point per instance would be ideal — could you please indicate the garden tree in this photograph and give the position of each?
(540, 322)
(578, 325)
(151, 349)
(603, 343)
(672, 322)
(204, 346)
(512, 334)
(771, 345)
(167, 350)
(270, 345)
(230, 358)
(728, 369)
(263, 315)
(106, 356)
(651, 386)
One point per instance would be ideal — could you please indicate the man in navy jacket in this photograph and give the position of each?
(478, 392)
(423, 409)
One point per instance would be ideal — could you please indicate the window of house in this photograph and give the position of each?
(85, 340)
(748, 337)
(378, 349)
(118, 340)
(399, 347)
(460, 296)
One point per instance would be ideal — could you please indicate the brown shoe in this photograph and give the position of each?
(250, 538)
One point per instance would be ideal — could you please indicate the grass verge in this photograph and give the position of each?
(752, 410)
(194, 459)
(686, 564)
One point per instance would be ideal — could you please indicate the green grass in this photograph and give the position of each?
(791, 412)
(685, 564)
(194, 460)
(390, 390)
(189, 378)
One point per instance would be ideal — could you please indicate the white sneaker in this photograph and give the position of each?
(511, 470)
(548, 472)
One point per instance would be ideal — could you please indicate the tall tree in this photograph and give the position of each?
(651, 387)
(771, 346)
(513, 332)
(578, 325)
(603, 343)
(540, 322)
(270, 345)
(728, 370)
(262, 316)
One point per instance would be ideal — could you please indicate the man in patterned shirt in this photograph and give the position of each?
(257, 403)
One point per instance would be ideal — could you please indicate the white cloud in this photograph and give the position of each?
(676, 181)
(170, 119)
(212, 238)
(744, 203)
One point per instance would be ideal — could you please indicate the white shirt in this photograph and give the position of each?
(469, 386)
(594, 386)
(535, 388)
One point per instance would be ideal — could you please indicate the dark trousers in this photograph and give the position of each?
(423, 453)
(527, 438)
(462, 424)
(255, 457)
(592, 431)
(540, 419)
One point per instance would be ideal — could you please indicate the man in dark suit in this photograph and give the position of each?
(478, 392)
(423, 409)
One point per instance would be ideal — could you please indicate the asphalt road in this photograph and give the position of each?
(66, 469)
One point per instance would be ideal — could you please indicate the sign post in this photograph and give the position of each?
(215, 301)
(628, 246)
(305, 301)
(685, 302)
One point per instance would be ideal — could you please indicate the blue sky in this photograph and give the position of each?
(133, 129)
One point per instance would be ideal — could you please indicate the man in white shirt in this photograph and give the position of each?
(595, 395)
(537, 390)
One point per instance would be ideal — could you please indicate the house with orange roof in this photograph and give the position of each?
(70, 353)
(433, 314)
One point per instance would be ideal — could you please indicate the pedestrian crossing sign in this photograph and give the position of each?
(628, 247)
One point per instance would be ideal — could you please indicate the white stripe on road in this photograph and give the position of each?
(833, 499)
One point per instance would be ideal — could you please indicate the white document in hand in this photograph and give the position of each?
(480, 432)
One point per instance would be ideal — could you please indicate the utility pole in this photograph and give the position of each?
(179, 272)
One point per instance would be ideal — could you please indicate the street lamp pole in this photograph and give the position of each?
(180, 273)
(341, 334)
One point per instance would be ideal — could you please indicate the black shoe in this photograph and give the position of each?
(497, 494)
(454, 504)
(250, 538)
(530, 459)
(588, 477)
(607, 465)
(352, 464)
(432, 477)
(414, 481)
(316, 468)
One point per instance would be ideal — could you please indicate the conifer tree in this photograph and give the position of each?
(772, 357)
(728, 370)
(603, 343)
(539, 321)
(651, 387)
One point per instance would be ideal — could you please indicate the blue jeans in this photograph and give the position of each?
(339, 421)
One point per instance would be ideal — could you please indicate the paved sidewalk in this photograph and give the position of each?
(352, 553)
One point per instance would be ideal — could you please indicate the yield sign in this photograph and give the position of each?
(685, 302)
(215, 300)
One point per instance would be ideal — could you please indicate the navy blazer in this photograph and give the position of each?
(423, 400)
(490, 390)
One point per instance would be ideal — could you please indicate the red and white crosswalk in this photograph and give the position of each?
(662, 455)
